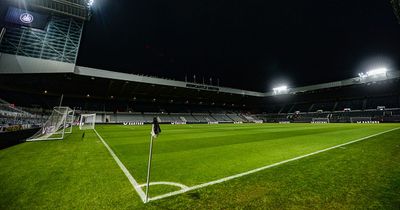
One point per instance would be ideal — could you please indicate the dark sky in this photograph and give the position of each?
(251, 45)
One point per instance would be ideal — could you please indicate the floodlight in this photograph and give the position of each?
(280, 89)
(377, 71)
(373, 72)
(362, 75)
(90, 3)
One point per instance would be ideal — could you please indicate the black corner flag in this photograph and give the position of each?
(155, 130)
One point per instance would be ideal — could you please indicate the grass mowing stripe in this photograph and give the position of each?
(123, 168)
(194, 167)
(75, 173)
(79, 173)
(264, 167)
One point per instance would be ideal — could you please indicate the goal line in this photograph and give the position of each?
(128, 175)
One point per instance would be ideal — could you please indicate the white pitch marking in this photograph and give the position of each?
(263, 168)
(182, 186)
(123, 168)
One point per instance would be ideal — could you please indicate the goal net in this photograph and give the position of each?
(360, 119)
(87, 121)
(320, 120)
(70, 121)
(55, 126)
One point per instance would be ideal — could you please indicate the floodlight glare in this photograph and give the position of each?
(90, 2)
(377, 71)
(280, 89)
(373, 72)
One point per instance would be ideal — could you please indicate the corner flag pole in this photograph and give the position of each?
(148, 168)
(155, 130)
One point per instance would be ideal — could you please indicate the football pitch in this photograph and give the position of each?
(254, 166)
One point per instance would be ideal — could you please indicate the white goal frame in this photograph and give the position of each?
(320, 120)
(55, 126)
(360, 119)
(70, 120)
(82, 123)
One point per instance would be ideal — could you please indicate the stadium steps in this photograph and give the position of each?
(15, 109)
(231, 118)
(241, 117)
(311, 107)
(334, 106)
(283, 107)
(183, 119)
(364, 106)
(213, 119)
(291, 108)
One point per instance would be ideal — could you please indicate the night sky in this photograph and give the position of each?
(252, 45)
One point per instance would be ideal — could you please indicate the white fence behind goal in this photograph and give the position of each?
(87, 121)
(320, 120)
(362, 120)
(56, 125)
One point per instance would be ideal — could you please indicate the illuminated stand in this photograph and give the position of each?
(87, 121)
(45, 29)
(56, 125)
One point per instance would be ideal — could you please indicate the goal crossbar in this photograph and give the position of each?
(70, 120)
(87, 121)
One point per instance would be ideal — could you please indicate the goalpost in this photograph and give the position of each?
(320, 120)
(56, 125)
(70, 121)
(361, 120)
(87, 121)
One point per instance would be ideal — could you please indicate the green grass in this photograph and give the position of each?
(80, 174)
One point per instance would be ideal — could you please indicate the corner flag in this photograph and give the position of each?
(155, 130)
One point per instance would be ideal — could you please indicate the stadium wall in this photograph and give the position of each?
(8, 139)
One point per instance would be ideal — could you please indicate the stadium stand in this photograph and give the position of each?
(237, 118)
(303, 107)
(356, 104)
(221, 118)
(387, 101)
(138, 101)
(14, 118)
(325, 106)
(203, 118)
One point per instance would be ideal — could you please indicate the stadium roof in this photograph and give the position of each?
(14, 64)
(396, 7)
(73, 8)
